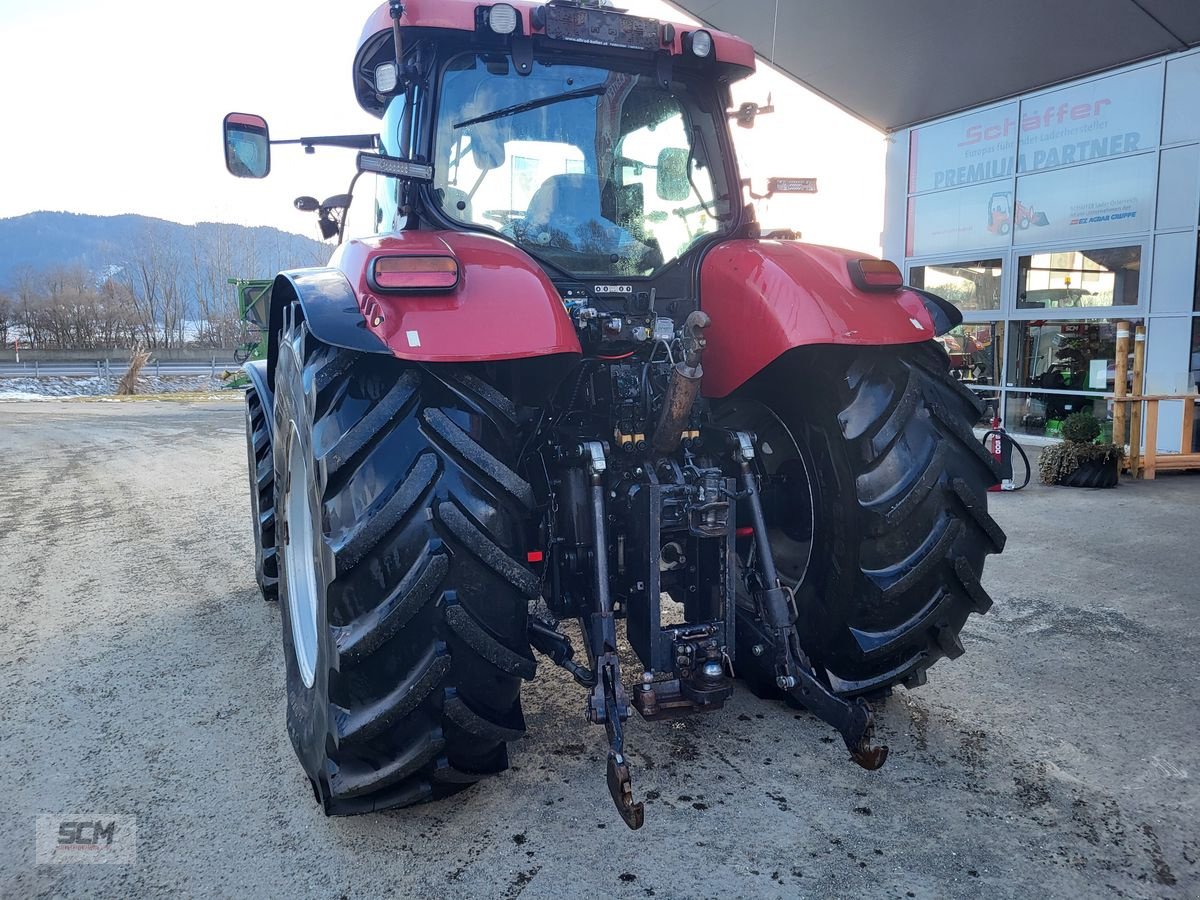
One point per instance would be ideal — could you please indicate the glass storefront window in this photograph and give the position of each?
(1079, 279)
(970, 285)
(1098, 118)
(1043, 414)
(974, 352)
(1196, 283)
(1066, 355)
(1194, 359)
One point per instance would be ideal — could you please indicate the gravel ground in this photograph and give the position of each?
(20, 388)
(143, 676)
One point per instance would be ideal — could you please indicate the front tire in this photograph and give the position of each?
(262, 495)
(876, 506)
(404, 603)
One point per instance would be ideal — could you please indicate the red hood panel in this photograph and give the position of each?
(766, 297)
(504, 306)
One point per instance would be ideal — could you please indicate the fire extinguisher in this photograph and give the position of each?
(1000, 444)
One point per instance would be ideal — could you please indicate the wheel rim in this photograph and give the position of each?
(780, 455)
(298, 562)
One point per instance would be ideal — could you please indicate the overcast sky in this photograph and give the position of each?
(114, 106)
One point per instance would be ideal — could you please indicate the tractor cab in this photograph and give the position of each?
(595, 141)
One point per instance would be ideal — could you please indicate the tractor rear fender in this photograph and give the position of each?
(330, 308)
(501, 306)
(767, 297)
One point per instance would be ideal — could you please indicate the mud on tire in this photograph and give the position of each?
(421, 601)
(886, 541)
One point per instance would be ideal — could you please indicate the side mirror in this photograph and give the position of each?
(247, 145)
(671, 182)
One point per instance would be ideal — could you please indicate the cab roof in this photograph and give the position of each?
(734, 55)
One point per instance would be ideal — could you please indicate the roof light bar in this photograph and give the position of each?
(397, 168)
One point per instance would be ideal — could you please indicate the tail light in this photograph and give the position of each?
(414, 273)
(875, 275)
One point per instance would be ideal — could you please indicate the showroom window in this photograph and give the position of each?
(1043, 414)
(972, 285)
(1196, 283)
(974, 351)
(1194, 359)
(1079, 279)
(1071, 355)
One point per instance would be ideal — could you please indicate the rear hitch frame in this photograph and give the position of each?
(607, 704)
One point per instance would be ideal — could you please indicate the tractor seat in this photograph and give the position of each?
(575, 197)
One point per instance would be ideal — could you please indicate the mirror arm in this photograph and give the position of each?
(351, 141)
(750, 190)
(396, 10)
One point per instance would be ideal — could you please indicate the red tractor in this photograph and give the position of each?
(567, 379)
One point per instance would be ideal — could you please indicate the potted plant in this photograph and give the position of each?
(1079, 461)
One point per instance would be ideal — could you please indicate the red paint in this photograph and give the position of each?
(766, 297)
(503, 307)
(534, 556)
(459, 15)
(246, 119)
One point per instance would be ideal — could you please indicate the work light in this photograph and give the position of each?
(701, 43)
(502, 19)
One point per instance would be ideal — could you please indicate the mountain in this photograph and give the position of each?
(104, 245)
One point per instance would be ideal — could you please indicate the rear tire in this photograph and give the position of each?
(404, 667)
(262, 496)
(879, 516)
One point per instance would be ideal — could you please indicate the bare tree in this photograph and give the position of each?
(165, 294)
(8, 320)
(153, 276)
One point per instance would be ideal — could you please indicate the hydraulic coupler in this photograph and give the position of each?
(683, 387)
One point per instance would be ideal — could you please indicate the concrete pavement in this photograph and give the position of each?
(143, 675)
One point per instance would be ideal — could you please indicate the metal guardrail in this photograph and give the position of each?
(106, 368)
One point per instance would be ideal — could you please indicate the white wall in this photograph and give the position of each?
(807, 136)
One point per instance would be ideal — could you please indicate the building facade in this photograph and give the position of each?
(1049, 218)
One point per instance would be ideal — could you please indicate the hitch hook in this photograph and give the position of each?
(620, 783)
(621, 787)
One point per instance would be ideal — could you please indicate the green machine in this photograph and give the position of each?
(254, 303)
